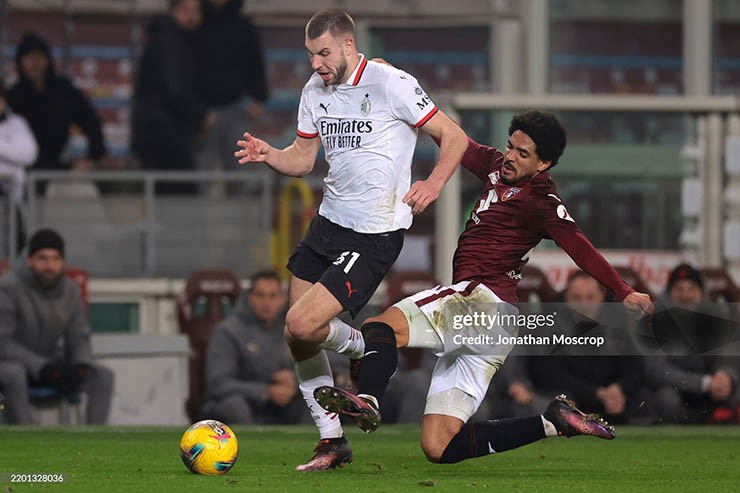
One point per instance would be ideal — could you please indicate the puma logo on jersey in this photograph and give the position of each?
(349, 289)
(325, 107)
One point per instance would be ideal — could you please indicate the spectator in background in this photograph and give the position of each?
(52, 105)
(607, 380)
(690, 387)
(167, 112)
(249, 375)
(45, 336)
(231, 79)
(513, 392)
(18, 150)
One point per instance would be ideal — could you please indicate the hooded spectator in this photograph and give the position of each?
(52, 104)
(167, 112)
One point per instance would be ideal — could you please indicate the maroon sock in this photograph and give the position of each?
(489, 437)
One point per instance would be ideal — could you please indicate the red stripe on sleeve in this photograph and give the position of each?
(305, 135)
(426, 118)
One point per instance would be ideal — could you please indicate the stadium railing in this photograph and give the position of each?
(116, 226)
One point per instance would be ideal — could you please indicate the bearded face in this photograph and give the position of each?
(47, 264)
(329, 58)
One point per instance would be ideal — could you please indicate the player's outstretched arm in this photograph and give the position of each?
(583, 253)
(295, 160)
(453, 144)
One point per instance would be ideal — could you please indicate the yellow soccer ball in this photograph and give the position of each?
(209, 447)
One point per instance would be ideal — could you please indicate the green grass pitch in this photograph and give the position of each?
(674, 459)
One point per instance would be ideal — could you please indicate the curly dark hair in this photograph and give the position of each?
(546, 132)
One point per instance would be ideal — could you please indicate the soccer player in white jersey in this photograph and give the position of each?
(367, 116)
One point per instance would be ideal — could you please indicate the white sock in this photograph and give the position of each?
(312, 373)
(550, 430)
(343, 339)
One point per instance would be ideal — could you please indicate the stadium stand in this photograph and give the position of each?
(76, 210)
(208, 297)
(720, 286)
(606, 56)
(726, 66)
(442, 59)
(96, 52)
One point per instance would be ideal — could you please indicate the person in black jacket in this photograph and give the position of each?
(607, 379)
(51, 105)
(167, 111)
(231, 79)
(693, 377)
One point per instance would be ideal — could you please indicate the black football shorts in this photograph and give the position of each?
(350, 265)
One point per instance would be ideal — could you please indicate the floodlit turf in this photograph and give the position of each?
(705, 459)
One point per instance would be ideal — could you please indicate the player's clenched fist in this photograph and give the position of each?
(420, 195)
(252, 149)
(639, 302)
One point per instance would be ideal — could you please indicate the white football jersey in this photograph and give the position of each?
(368, 127)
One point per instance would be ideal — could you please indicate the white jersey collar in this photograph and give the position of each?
(356, 74)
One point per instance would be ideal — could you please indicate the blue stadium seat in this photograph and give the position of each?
(49, 397)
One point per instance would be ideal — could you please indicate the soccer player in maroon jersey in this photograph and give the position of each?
(519, 206)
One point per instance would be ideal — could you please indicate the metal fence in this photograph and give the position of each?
(115, 224)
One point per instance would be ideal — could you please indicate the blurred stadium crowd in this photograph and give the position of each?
(170, 88)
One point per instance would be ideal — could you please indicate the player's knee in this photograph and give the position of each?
(433, 448)
(433, 455)
(296, 326)
(437, 432)
(377, 326)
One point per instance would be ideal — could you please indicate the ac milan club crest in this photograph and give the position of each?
(365, 105)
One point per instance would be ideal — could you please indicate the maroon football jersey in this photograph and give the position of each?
(509, 222)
